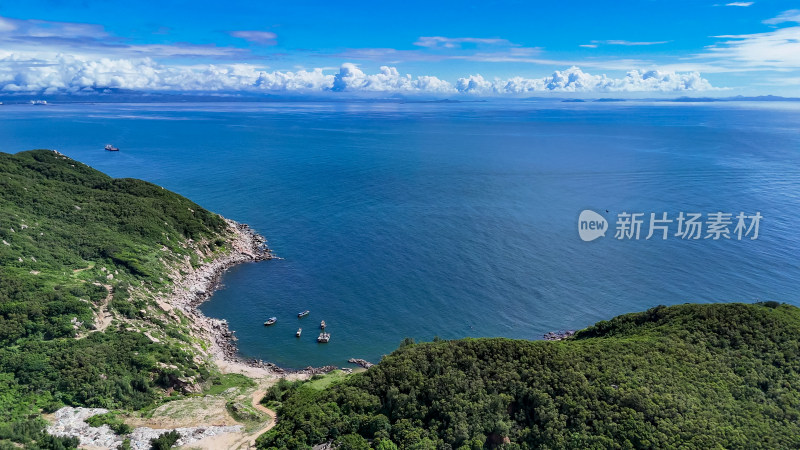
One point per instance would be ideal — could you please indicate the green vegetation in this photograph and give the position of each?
(243, 412)
(690, 376)
(113, 420)
(284, 388)
(30, 434)
(165, 441)
(320, 382)
(280, 391)
(223, 382)
(71, 237)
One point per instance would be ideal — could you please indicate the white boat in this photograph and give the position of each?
(324, 338)
(270, 321)
(299, 331)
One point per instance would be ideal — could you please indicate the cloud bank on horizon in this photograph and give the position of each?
(67, 74)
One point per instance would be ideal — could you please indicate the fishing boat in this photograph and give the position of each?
(270, 321)
(299, 331)
(303, 314)
(111, 148)
(324, 338)
(322, 325)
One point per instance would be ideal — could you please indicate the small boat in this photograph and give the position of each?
(324, 338)
(111, 148)
(299, 330)
(303, 314)
(270, 321)
(322, 325)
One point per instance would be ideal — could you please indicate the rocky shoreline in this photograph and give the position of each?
(558, 335)
(199, 283)
(197, 286)
(360, 362)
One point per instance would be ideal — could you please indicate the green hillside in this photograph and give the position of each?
(689, 376)
(78, 245)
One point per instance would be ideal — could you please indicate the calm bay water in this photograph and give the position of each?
(454, 220)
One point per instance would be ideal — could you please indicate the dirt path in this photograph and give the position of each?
(90, 266)
(104, 317)
(244, 440)
(258, 394)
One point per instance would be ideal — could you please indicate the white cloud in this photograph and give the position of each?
(50, 29)
(351, 78)
(181, 50)
(625, 43)
(71, 74)
(741, 4)
(299, 81)
(575, 80)
(777, 50)
(792, 15)
(445, 42)
(7, 25)
(257, 37)
(51, 38)
(774, 50)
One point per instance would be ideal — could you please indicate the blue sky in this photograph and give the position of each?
(500, 48)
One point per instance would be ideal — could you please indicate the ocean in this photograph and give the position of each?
(455, 219)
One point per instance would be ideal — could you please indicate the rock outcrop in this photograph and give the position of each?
(360, 362)
(71, 422)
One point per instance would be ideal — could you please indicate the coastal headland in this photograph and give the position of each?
(102, 279)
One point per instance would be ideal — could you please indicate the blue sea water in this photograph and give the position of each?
(454, 220)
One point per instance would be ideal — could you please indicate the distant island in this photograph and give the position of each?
(101, 345)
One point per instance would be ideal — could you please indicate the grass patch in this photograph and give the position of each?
(223, 382)
(320, 382)
(113, 420)
(243, 412)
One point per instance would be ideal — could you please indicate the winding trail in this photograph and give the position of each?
(258, 394)
(244, 440)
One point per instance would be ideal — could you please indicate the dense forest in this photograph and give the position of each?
(76, 241)
(689, 376)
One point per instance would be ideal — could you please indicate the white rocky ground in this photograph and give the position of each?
(71, 421)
